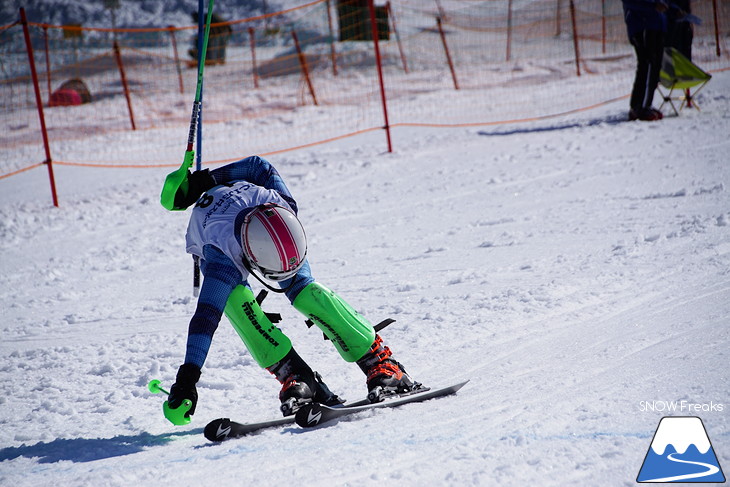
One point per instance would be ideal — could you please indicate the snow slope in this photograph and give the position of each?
(570, 268)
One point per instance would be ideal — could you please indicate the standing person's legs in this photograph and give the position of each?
(655, 53)
(649, 47)
(641, 78)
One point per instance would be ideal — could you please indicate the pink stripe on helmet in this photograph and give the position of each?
(281, 237)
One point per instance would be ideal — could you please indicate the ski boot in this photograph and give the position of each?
(300, 385)
(385, 376)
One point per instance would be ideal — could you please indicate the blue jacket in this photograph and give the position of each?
(641, 15)
(221, 274)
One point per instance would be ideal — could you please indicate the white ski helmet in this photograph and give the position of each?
(273, 241)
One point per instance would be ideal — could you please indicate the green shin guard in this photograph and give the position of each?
(349, 331)
(266, 342)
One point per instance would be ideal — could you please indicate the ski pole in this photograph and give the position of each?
(179, 178)
(203, 47)
(175, 416)
(154, 387)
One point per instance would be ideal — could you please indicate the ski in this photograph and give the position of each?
(224, 429)
(315, 414)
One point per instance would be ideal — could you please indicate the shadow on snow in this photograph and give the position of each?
(609, 120)
(90, 449)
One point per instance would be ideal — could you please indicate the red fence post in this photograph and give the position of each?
(177, 58)
(303, 65)
(379, 63)
(448, 54)
(575, 37)
(118, 55)
(333, 54)
(254, 70)
(39, 103)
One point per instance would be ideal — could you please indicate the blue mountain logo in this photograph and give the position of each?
(681, 452)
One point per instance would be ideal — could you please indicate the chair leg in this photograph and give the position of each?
(688, 98)
(697, 91)
(667, 99)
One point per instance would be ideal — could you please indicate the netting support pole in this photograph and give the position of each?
(379, 64)
(440, 9)
(305, 68)
(125, 86)
(717, 28)
(575, 37)
(254, 69)
(48, 60)
(603, 26)
(557, 19)
(448, 54)
(177, 58)
(397, 38)
(333, 54)
(39, 104)
(509, 31)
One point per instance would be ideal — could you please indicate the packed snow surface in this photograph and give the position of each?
(576, 270)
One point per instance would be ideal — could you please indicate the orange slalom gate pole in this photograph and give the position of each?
(39, 103)
(448, 54)
(333, 54)
(379, 64)
(254, 70)
(177, 58)
(125, 86)
(303, 65)
(575, 37)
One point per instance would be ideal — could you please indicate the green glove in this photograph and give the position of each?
(176, 181)
(183, 398)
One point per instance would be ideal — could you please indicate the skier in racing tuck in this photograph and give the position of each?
(244, 222)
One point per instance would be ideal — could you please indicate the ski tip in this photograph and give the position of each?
(218, 429)
(462, 384)
(309, 415)
(456, 387)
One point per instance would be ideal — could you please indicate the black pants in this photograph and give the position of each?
(649, 47)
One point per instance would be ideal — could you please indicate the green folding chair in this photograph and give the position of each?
(679, 73)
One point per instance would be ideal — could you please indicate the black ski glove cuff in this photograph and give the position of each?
(187, 375)
(198, 183)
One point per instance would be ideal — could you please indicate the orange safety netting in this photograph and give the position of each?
(495, 61)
